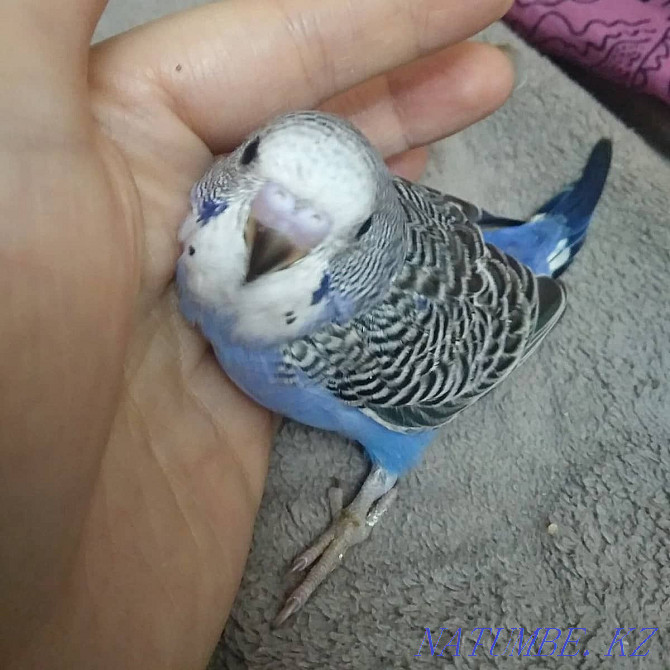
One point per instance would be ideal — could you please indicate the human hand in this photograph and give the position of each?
(130, 468)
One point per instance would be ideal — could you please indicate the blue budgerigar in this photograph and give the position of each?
(354, 301)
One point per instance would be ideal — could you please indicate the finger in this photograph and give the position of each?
(227, 67)
(430, 98)
(63, 27)
(44, 47)
(409, 164)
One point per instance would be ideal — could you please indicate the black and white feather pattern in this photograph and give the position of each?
(459, 317)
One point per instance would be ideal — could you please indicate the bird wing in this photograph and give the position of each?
(459, 317)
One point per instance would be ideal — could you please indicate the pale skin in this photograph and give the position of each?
(131, 470)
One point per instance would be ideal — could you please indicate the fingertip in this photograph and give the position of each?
(487, 79)
(516, 59)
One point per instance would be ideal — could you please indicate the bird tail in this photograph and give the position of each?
(549, 241)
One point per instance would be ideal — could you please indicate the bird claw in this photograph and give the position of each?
(290, 608)
(350, 528)
(299, 565)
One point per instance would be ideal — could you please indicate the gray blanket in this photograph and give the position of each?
(577, 438)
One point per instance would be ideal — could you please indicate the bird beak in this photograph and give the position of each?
(268, 250)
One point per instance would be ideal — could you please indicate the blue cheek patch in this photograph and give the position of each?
(210, 208)
(323, 289)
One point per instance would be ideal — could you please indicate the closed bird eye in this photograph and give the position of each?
(250, 151)
(364, 228)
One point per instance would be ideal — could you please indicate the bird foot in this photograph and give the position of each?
(350, 526)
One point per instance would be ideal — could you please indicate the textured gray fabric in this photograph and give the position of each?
(578, 437)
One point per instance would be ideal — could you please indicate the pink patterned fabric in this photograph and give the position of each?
(627, 41)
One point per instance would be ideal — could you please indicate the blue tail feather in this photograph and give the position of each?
(548, 242)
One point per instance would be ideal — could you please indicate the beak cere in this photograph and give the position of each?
(268, 249)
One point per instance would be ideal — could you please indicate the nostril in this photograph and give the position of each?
(271, 203)
(191, 250)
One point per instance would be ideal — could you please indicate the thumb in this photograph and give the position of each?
(44, 48)
(60, 29)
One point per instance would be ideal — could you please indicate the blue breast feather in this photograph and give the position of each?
(254, 372)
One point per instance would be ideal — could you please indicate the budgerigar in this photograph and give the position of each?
(354, 301)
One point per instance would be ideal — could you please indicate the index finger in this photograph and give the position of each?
(226, 67)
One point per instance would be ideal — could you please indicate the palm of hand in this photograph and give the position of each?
(163, 460)
(180, 453)
(187, 453)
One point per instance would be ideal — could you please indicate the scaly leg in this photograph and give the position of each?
(350, 526)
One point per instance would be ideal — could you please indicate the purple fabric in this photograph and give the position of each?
(627, 41)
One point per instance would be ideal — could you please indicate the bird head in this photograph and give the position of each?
(275, 225)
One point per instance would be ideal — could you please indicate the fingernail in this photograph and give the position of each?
(514, 54)
(298, 566)
(291, 607)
